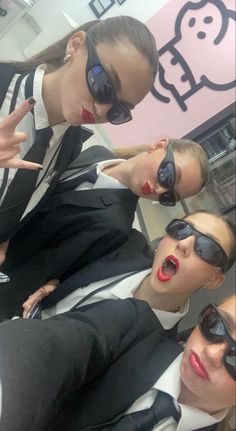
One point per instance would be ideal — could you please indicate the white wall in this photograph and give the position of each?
(47, 15)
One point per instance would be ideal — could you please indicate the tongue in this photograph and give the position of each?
(168, 268)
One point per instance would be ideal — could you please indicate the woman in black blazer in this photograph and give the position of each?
(96, 75)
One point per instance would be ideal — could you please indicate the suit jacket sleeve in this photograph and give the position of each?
(43, 363)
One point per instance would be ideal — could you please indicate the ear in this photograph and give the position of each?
(161, 143)
(216, 281)
(75, 42)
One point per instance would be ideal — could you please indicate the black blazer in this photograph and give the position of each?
(72, 229)
(82, 368)
(71, 146)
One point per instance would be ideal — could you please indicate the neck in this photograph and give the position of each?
(118, 171)
(162, 301)
(190, 399)
(123, 171)
(52, 97)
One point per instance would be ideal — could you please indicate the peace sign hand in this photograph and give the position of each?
(10, 139)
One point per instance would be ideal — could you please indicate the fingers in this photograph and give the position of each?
(16, 116)
(3, 251)
(38, 295)
(21, 164)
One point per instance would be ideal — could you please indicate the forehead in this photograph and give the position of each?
(214, 227)
(129, 70)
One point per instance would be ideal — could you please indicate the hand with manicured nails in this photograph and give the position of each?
(10, 139)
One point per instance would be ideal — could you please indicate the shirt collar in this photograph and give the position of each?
(40, 113)
(105, 181)
(125, 289)
(170, 382)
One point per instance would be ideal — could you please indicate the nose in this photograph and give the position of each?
(101, 109)
(159, 189)
(185, 246)
(215, 353)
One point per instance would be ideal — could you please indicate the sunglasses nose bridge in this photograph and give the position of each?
(186, 245)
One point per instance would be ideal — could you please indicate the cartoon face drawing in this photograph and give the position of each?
(203, 37)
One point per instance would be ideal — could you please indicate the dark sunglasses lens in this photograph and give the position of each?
(100, 85)
(166, 174)
(167, 199)
(209, 251)
(179, 229)
(118, 114)
(211, 325)
(230, 362)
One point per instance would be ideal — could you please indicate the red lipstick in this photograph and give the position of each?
(168, 268)
(87, 117)
(146, 189)
(197, 366)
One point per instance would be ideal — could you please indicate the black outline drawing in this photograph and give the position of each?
(178, 58)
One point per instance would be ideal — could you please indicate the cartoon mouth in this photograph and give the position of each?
(87, 117)
(168, 268)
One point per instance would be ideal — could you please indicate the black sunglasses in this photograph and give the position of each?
(166, 176)
(214, 329)
(205, 247)
(102, 90)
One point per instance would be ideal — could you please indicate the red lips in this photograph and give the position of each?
(87, 117)
(197, 366)
(168, 268)
(146, 189)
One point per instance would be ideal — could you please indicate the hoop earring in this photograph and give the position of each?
(67, 58)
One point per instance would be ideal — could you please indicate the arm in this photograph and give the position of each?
(42, 363)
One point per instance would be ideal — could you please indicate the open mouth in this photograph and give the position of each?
(168, 268)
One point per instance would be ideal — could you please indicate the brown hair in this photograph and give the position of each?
(196, 151)
(231, 228)
(109, 30)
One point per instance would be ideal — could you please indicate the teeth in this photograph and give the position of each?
(173, 262)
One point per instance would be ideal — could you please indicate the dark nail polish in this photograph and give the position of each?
(40, 169)
(31, 100)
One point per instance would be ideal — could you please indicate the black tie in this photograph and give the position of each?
(23, 184)
(145, 420)
(70, 184)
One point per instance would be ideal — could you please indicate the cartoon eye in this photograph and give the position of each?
(184, 78)
(192, 22)
(174, 61)
(201, 35)
(208, 19)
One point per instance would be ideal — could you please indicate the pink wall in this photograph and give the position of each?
(199, 38)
